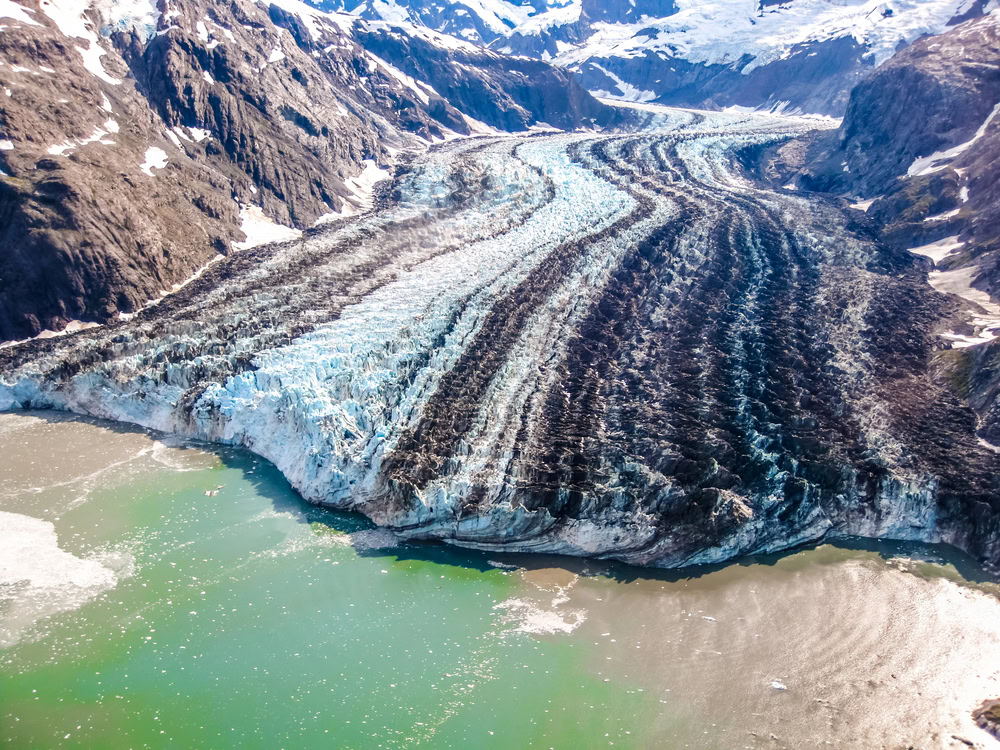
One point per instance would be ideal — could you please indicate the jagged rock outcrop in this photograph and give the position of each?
(132, 147)
(987, 716)
(508, 93)
(604, 345)
(931, 98)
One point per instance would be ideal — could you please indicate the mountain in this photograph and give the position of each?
(798, 55)
(919, 150)
(139, 143)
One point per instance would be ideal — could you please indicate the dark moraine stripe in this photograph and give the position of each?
(422, 451)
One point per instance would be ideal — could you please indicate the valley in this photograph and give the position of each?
(603, 345)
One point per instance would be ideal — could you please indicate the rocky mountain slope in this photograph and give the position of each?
(919, 148)
(797, 55)
(595, 344)
(139, 143)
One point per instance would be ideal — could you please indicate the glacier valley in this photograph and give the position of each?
(616, 345)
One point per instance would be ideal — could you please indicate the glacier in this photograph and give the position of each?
(606, 344)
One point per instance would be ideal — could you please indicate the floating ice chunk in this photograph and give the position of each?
(528, 617)
(38, 579)
(6, 145)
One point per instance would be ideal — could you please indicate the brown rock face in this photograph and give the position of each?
(987, 716)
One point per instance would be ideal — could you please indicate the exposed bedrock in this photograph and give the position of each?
(605, 345)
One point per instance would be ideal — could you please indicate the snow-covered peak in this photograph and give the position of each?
(730, 31)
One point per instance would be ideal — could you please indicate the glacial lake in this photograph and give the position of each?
(156, 593)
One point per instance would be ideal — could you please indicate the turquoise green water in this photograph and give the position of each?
(188, 598)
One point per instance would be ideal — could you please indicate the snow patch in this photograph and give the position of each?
(164, 293)
(261, 230)
(10, 9)
(936, 251)
(72, 327)
(69, 19)
(418, 88)
(362, 189)
(959, 283)
(628, 91)
(156, 158)
(941, 159)
(59, 148)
